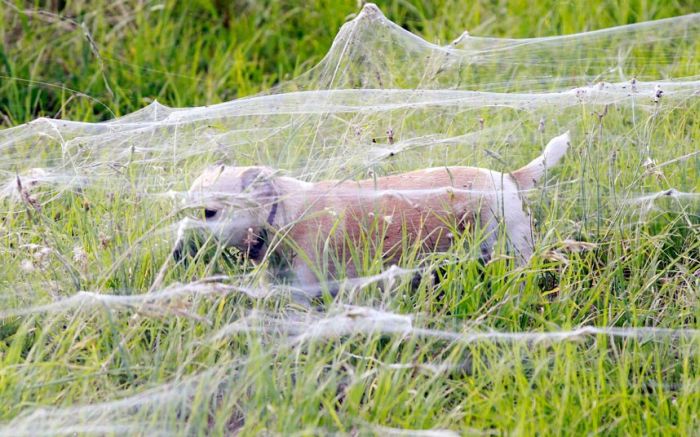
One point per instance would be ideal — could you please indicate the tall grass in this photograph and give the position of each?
(213, 358)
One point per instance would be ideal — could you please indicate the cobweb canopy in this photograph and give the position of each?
(91, 212)
(454, 101)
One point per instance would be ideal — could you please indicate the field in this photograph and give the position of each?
(102, 332)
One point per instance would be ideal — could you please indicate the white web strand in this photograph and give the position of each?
(354, 320)
(150, 411)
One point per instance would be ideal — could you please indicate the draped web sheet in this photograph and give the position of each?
(382, 101)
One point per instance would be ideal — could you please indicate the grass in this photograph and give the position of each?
(212, 360)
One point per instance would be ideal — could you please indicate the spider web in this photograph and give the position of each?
(382, 101)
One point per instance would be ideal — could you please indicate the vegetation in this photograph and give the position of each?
(211, 360)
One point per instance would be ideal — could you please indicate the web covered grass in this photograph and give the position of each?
(102, 332)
